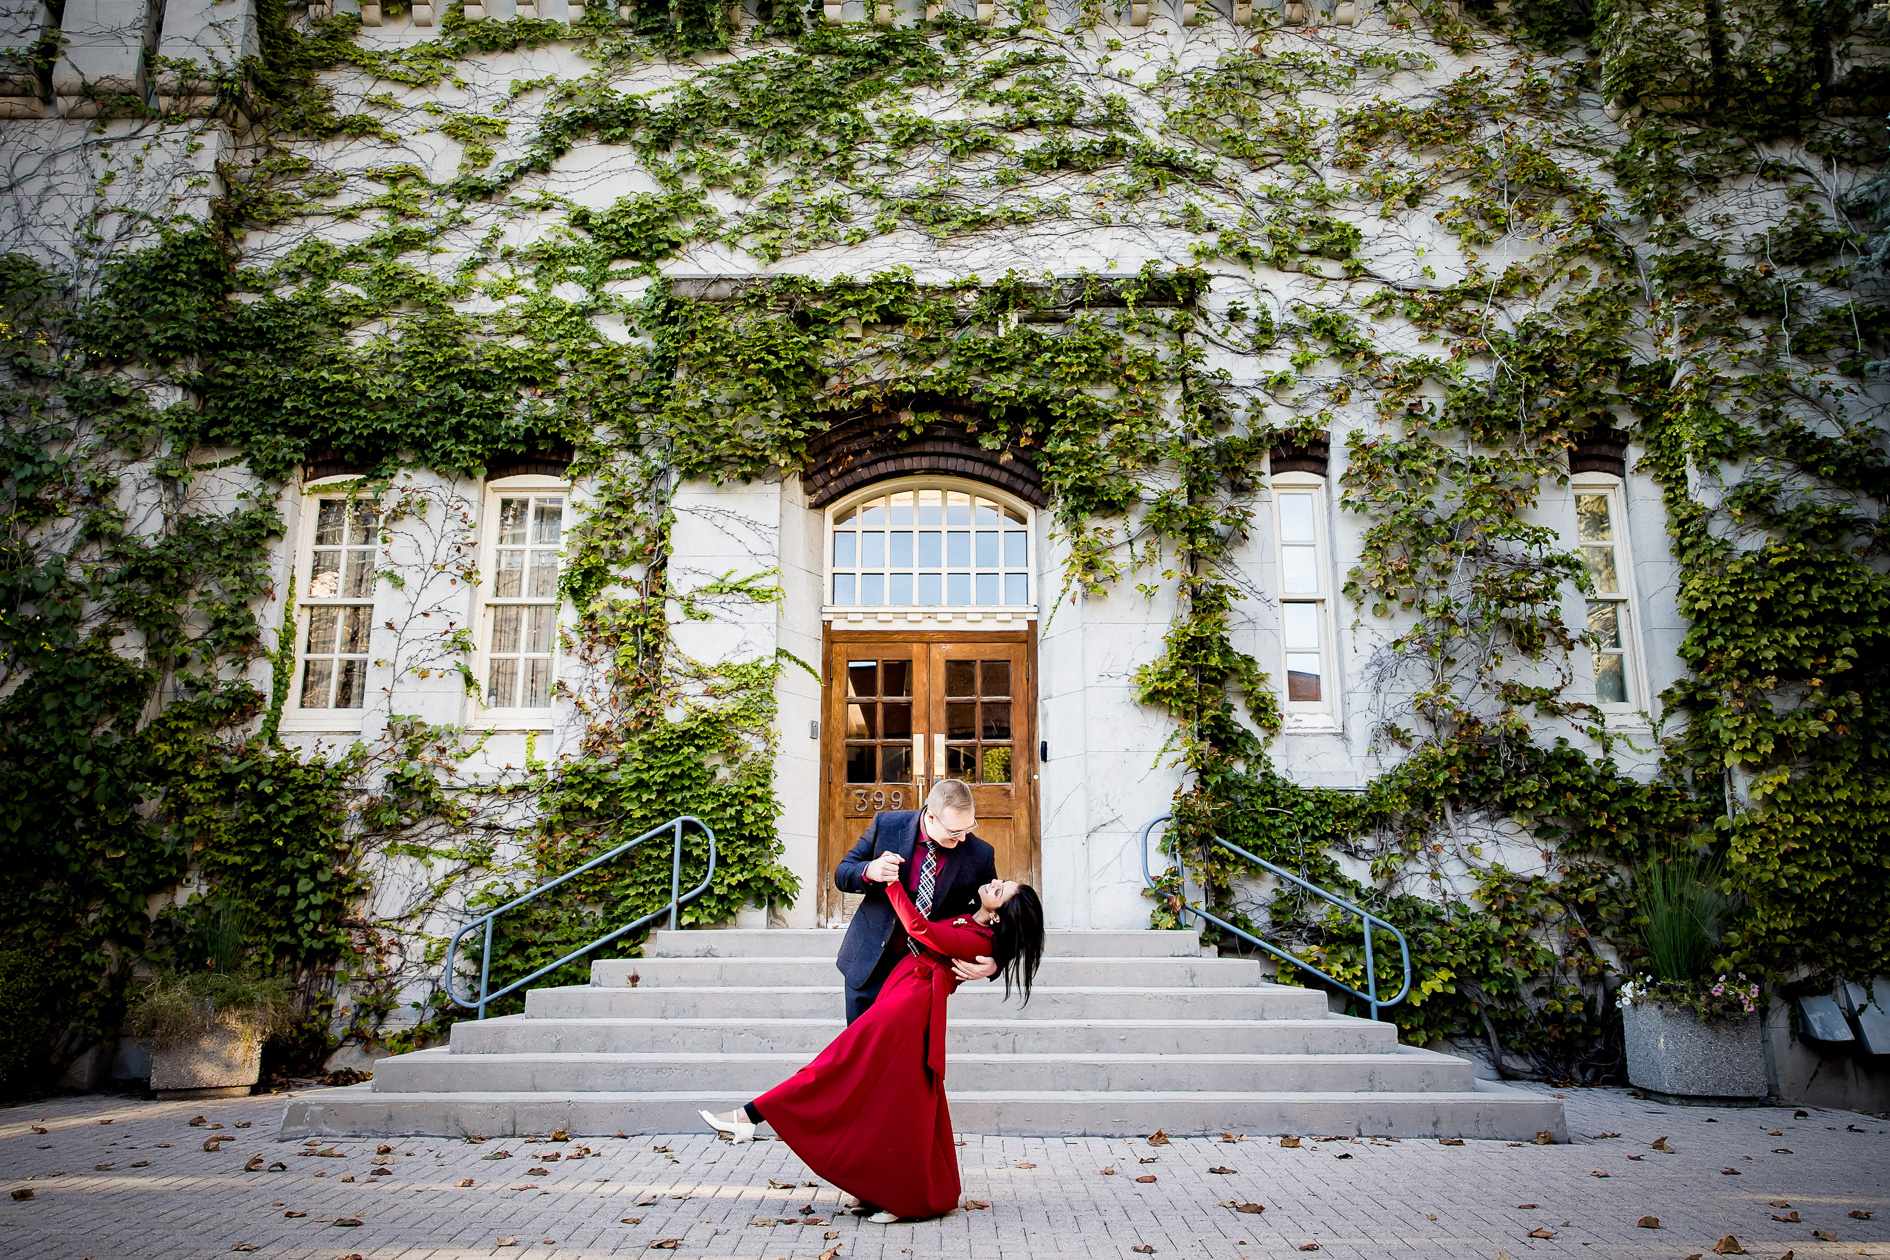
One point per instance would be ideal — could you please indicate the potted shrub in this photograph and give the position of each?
(207, 1017)
(1691, 1035)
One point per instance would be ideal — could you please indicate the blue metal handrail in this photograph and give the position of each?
(677, 899)
(1365, 916)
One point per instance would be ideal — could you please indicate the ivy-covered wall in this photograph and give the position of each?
(1452, 243)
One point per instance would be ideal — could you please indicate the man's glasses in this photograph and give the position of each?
(960, 834)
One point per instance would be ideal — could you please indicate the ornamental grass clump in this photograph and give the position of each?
(1683, 903)
(211, 986)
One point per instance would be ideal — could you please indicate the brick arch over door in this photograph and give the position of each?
(867, 447)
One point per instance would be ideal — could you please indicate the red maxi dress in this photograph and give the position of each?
(869, 1113)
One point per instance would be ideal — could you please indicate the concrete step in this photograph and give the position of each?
(1488, 1111)
(1407, 1070)
(1137, 973)
(1333, 1034)
(825, 943)
(757, 1002)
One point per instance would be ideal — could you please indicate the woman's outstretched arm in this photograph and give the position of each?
(946, 938)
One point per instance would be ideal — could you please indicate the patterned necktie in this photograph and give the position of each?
(928, 880)
(928, 888)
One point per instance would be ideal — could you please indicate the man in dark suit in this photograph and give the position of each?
(933, 853)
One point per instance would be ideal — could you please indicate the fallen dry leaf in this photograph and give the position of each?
(1637, 1157)
(648, 1200)
(1599, 1173)
(41, 1129)
(1109, 1171)
(1222, 1171)
(292, 1214)
(1775, 1133)
(1778, 1150)
(22, 1194)
(498, 1155)
(245, 1247)
(254, 1163)
(1541, 1232)
(104, 1167)
(1251, 1209)
(666, 1244)
(779, 1185)
(145, 1163)
(1859, 1215)
(465, 1183)
(1781, 1203)
(1649, 1222)
(1148, 1159)
(1450, 1141)
(1660, 1144)
(1600, 1136)
(1288, 1143)
(1157, 1138)
(349, 1221)
(1024, 1163)
(1343, 1155)
(1526, 1206)
(1790, 1218)
(196, 1122)
(1233, 1137)
(976, 1205)
(504, 1241)
(831, 1234)
(1143, 1248)
(1730, 1172)
(1824, 1235)
(558, 1135)
(1728, 1246)
(383, 1149)
(538, 1172)
(1309, 1246)
(1147, 1179)
(1543, 1137)
(278, 1166)
(831, 1252)
(215, 1143)
(631, 1220)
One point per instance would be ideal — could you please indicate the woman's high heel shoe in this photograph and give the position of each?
(739, 1130)
(883, 1218)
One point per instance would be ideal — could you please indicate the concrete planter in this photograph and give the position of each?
(225, 1061)
(1678, 1058)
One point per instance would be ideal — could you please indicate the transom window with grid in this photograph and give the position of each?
(1600, 533)
(929, 546)
(522, 598)
(337, 604)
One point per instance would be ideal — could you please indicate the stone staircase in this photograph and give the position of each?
(1125, 1033)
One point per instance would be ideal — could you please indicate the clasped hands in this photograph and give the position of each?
(884, 869)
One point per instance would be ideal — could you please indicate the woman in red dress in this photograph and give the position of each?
(869, 1113)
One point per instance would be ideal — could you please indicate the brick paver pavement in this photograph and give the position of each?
(116, 1179)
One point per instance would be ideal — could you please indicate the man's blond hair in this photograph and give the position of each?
(949, 794)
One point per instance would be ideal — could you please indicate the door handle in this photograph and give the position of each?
(918, 760)
(938, 758)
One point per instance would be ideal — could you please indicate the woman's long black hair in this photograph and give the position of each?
(1017, 939)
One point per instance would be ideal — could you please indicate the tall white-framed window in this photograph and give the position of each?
(1307, 659)
(525, 519)
(928, 546)
(334, 604)
(1601, 535)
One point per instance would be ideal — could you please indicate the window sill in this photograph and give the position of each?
(1324, 723)
(513, 720)
(322, 722)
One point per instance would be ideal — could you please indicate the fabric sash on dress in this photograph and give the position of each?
(942, 980)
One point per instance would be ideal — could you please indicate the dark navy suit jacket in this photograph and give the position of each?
(972, 864)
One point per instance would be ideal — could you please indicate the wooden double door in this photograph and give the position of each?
(904, 710)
